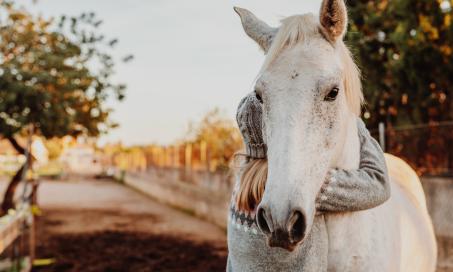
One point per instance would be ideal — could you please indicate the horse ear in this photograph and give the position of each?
(256, 29)
(334, 18)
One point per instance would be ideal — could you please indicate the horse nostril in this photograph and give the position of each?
(263, 221)
(297, 226)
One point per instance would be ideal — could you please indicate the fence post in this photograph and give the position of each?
(176, 158)
(382, 135)
(203, 155)
(188, 163)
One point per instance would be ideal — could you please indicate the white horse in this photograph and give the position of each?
(311, 91)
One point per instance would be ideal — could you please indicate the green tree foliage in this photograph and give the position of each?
(405, 50)
(55, 76)
(55, 147)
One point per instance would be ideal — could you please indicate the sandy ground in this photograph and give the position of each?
(98, 225)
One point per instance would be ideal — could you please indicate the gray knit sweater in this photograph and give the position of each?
(344, 191)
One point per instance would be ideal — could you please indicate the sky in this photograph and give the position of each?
(189, 57)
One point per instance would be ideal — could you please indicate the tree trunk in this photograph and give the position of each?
(16, 145)
(8, 199)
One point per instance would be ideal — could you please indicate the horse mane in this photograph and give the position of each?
(296, 29)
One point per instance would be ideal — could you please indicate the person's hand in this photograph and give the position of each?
(326, 187)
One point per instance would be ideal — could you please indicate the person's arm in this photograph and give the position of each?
(356, 190)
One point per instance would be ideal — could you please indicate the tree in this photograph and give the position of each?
(405, 50)
(55, 76)
(221, 136)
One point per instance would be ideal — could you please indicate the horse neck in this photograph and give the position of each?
(348, 153)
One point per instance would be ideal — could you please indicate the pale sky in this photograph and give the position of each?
(190, 57)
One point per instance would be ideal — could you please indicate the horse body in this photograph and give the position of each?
(311, 93)
(396, 236)
(387, 237)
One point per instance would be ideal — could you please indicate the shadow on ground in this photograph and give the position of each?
(114, 250)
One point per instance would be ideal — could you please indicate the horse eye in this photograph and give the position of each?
(332, 95)
(258, 96)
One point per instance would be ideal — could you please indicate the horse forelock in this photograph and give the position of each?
(301, 28)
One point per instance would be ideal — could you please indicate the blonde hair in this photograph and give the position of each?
(252, 185)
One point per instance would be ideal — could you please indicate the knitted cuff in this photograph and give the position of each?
(256, 151)
(326, 188)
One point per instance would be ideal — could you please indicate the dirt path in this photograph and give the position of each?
(103, 226)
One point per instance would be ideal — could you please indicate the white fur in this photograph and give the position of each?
(307, 136)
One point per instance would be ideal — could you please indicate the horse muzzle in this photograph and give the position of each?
(287, 237)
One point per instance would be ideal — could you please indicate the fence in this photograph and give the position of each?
(17, 229)
(428, 148)
(190, 163)
(16, 234)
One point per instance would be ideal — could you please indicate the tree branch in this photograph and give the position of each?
(18, 147)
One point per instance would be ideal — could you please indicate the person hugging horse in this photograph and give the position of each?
(315, 191)
(343, 190)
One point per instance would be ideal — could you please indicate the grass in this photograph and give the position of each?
(53, 169)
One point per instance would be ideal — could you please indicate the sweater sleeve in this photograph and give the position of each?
(356, 190)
